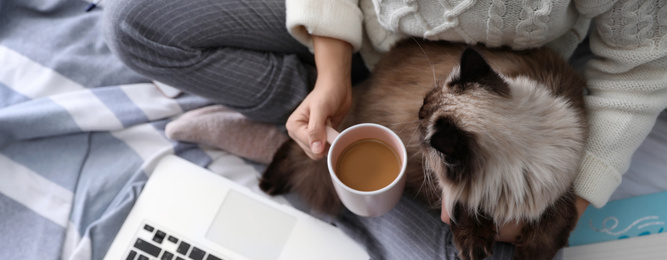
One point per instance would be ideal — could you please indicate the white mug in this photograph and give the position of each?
(366, 203)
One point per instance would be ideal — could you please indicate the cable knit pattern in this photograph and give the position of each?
(630, 25)
(399, 15)
(627, 79)
(494, 35)
(410, 7)
(639, 23)
(533, 27)
(451, 15)
(516, 24)
(520, 25)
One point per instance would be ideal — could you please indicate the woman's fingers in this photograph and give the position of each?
(298, 129)
(444, 215)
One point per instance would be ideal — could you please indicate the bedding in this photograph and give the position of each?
(80, 134)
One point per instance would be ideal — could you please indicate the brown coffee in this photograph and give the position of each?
(368, 165)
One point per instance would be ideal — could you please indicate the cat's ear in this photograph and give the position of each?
(475, 71)
(457, 147)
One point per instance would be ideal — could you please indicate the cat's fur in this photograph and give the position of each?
(500, 133)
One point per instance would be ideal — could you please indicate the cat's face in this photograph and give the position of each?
(494, 141)
(455, 113)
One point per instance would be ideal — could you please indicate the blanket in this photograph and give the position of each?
(79, 132)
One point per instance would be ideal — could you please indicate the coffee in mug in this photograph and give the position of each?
(368, 164)
(367, 167)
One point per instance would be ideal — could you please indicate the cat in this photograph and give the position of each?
(498, 134)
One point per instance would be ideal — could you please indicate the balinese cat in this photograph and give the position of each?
(497, 134)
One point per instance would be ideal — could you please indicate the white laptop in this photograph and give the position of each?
(187, 212)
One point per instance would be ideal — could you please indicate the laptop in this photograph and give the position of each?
(186, 212)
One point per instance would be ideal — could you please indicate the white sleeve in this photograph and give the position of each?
(627, 83)
(340, 19)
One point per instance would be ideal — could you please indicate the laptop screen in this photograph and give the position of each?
(257, 232)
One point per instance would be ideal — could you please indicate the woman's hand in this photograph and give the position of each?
(330, 99)
(510, 232)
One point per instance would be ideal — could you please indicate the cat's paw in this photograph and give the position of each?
(474, 235)
(276, 176)
(272, 188)
(475, 248)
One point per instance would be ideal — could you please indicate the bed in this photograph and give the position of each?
(80, 134)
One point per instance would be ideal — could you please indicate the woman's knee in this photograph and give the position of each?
(121, 26)
(133, 32)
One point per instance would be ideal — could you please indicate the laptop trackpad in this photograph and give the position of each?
(250, 228)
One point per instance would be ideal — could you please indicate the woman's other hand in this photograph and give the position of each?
(510, 232)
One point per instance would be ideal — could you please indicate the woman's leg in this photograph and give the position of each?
(234, 52)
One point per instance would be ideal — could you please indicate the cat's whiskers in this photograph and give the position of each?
(413, 132)
(426, 178)
(435, 81)
(407, 124)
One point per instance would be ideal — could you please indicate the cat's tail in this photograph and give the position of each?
(291, 170)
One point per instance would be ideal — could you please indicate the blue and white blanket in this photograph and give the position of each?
(79, 132)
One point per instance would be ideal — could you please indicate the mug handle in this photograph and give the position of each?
(331, 134)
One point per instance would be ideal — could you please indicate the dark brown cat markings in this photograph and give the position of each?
(497, 134)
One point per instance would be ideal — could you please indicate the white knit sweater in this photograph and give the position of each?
(627, 80)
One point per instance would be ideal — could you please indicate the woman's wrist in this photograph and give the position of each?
(510, 232)
(581, 205)
(333, 58)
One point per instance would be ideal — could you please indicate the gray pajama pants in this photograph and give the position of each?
(239, 54)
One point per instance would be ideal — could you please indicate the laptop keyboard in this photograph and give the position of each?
(154, 243)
